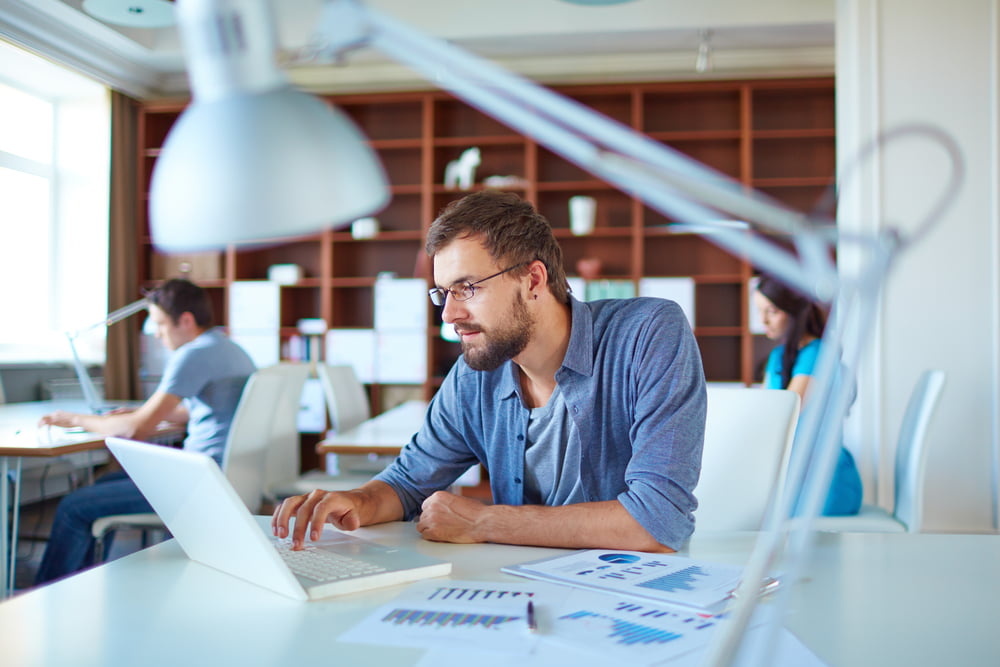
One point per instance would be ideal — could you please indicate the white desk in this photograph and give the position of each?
(19, 438)
(383, 435)
(868, 599)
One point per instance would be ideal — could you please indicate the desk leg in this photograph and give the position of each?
(8, 537)
(4, 505)
(16, 513)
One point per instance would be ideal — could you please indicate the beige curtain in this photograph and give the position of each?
(121, 373)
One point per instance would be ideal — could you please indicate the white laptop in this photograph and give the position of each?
(205, 515)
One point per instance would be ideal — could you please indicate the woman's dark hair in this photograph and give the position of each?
(805, 318)
(512, 232)
(178, 296)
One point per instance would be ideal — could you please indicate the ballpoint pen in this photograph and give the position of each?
(532, 621)
(769, 585)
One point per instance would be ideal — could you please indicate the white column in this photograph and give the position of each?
(902, 62)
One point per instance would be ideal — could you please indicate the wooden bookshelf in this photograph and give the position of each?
(773, 135)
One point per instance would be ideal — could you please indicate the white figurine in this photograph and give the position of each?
(462, 172)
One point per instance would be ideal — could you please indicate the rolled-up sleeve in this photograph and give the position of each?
(667, 431)
(435, 456)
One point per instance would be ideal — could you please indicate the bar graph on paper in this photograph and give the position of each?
(452, 613)
(628, 629)
(682, 580)
(669, 579)
(463, 596)
(449, 619)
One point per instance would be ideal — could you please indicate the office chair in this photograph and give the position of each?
(748, 437)
(347, 405)
(347, 401)
(911, 462)
(261, 421)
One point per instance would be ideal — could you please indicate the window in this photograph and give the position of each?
(54, 179)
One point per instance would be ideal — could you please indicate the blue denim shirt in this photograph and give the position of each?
(634, 386)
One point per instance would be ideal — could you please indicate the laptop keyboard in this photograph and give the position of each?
(322, 565)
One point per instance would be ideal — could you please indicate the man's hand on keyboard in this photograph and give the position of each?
(375, 502)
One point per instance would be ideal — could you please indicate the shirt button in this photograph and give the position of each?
(520, 437)
(576, 410)
(517, 480)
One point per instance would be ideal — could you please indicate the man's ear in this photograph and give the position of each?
(187, 321)
(539, 276)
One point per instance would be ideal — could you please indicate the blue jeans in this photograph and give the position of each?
(71, 547)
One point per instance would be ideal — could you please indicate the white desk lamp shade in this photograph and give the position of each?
(253, 160)
(257, 167)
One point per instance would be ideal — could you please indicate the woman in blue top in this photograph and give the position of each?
(798, 325)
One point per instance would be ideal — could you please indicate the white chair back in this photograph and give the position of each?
(346, 399)
(748, 436)
(282, 459)
(911, 449)
(264, 432)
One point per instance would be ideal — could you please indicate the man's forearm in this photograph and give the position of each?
(122, 425)
(379, 503)
(598, 525)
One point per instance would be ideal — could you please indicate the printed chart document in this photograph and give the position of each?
(627, 629)
(481, 615)
(660, 577)
(590, 629)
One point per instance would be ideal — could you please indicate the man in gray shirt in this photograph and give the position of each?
(201, 387)
(589, 417)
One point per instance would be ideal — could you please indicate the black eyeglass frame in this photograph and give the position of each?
(439, 295)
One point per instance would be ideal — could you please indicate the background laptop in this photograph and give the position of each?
(207, 518)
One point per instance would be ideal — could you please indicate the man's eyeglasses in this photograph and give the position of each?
(464, 292)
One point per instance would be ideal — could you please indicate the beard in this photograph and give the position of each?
(502, 343)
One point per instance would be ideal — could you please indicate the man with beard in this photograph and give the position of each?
(588, 417)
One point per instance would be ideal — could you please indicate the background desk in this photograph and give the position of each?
(867, 599)
(20, 437)
(383, 435)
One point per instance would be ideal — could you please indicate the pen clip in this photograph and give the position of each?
(767, 585)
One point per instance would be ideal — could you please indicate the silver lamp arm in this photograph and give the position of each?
(89, 394)
(666, 180)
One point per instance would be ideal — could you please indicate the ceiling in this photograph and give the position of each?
(553, 41)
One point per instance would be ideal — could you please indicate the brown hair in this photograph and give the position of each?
(512, 232)
(804, 318)
(178, 296)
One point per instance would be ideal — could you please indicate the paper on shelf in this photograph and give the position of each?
(387, 357)
(312, 408)
(401, 357)
(254, 305)
(263, 347)
(401, 304)
(755, 323)
(254, 319)
(353, 347)
(680, 290)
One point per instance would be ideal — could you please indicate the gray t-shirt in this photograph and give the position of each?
(208, 374)
(552, 456)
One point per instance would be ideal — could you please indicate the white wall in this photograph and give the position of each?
(923, 61)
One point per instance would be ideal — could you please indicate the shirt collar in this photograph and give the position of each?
(579, 353)
(579, 357)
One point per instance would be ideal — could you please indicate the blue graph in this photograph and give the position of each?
(680, 580)
(619, 558)
(626, 632)
(449, 619)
